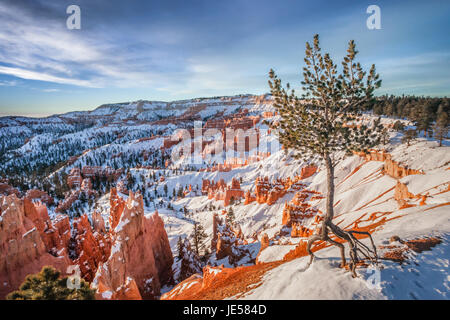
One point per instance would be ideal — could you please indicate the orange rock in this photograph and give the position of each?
(91, 249)
(140, 251)
(307, 172)
(40, 195)
(116, 208)
(391, 167)
(129, 291)
(22, 249)
(221, 192)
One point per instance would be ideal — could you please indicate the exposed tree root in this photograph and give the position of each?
(358, 250)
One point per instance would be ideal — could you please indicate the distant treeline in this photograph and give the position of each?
(411, 107)
(430, 115)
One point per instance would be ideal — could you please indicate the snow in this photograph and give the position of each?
(361, 189)
(275, 253)
(28, 232)
(107, 294)
(426, 277)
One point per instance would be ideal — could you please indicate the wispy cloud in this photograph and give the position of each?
(51, 90)
(33, 75)
(8, 83)
(36, 49)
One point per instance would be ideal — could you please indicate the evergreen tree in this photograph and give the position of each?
(198, 237)
(324, 122)
(180, 248)
(424, 118)
(48, 285)
(384, 136)
(408, 136)
(230, 216)
(398, 126)
(441, 126)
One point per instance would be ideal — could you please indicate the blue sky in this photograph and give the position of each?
(169, 50)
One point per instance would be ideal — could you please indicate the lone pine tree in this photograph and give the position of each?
(326, 120)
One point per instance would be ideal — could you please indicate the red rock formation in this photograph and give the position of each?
(89, 249)
(391, 167)
(265, 242)
(225, 241)
(299, 208)
(401, 192)
(22, 248)
(74, 178)
(249, 198)
(55, 234)
(220, 192)
(91, 171)
(270, 192)
(68, 201)
(98, 224)
(402, 195)
(40, 195)
(140, 252)
(7, 190)
(307, 172)
(117, 204)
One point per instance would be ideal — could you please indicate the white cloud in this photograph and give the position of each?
(32, 75)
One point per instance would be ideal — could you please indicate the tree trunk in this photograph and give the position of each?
(330, 194)
(328, 226)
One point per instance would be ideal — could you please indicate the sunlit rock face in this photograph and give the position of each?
(140, 255)
(29, 240)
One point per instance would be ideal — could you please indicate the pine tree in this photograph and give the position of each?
(48, 285)
(230, 216)
(408, 136)
(441, 126)
(198, 236)
(180, 248)
(424, 118)
(384, 136)
(324, 122)
(398, 126)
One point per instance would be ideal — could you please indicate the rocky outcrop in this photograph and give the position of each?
(270, 192)
(36, 194)
(401, 192)
(403, 196)
(6, 189)
(140, 253)
(55, 234)
(89, 248)
(299, 209)
(391, 167)
(27, 242)
(221, 192)
(74, 178)
(307, 172)
(117, 204)
(98, 224)
(265, 243)
(227, 243)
